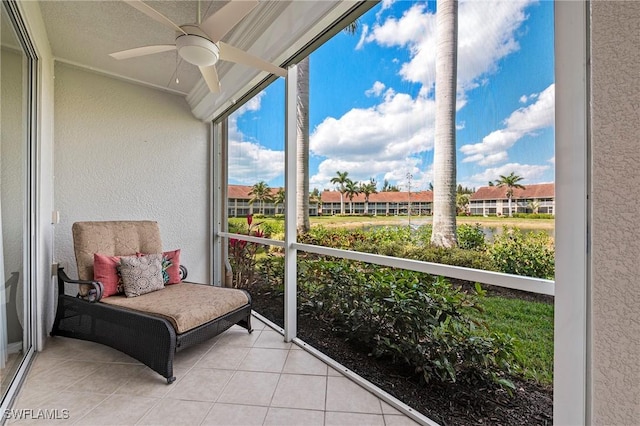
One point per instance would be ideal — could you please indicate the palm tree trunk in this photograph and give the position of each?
(444, 153)
(302, 158)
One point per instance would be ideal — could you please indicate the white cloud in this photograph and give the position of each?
(383, 141)
(530, 172)
(398, 127)
(522, 122)
(250, 161)
(253, 104)
(486, 34)
(363, 37)
(523, 99)
(552, 160)
(395, 171)
(376, 89)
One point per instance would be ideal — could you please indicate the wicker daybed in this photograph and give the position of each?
(151, 327)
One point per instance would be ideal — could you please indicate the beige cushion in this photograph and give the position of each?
(185, 305)
(113, 238)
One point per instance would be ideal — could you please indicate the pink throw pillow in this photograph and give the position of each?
(170, 266)
(105, 270)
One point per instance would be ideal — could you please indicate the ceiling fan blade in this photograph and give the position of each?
(220, 23)
(210, 76)
(233, 54)
(142, 51)
(154, 14)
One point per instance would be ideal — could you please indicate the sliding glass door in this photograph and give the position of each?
(16, 197)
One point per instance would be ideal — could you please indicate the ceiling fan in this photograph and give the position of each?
(200, 45)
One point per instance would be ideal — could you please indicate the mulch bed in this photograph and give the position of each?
(447, 404)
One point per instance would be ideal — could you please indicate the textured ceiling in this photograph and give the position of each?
(84, 33)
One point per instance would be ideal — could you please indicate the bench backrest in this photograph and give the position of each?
(113, 238)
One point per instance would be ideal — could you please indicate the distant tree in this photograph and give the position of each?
(261, 193)
(462, 202)
(464, 190)
(387, 187)
(534, 205)
(511, 182)
(367, 189)
(315, 197)
(279, 199)
(351, 190)
(341, 180)
(431, 186)
(491, 183)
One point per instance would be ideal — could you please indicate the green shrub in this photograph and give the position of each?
(451, 256)
(534, 215)
(470, 237)
(531, 254)
(408, 316)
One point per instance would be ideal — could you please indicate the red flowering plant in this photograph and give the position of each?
(242, 255)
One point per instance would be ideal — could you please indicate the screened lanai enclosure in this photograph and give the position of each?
(291, 100)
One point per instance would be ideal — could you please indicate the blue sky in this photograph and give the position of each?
(372, 100)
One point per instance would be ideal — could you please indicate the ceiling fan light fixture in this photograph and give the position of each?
(197, 50)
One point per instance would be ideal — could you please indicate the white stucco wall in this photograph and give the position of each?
(615, 115)
(125, 152)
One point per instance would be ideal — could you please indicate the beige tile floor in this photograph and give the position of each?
(234, 379)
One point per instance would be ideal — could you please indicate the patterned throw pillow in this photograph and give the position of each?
(141, 274)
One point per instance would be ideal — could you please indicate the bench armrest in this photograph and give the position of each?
(183, 272)
(95, 293)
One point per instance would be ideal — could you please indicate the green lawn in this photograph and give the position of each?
(531, 323)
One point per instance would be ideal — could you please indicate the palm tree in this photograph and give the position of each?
(351, 190)
(511, 182)
(341, 181)
(302, 140)
(368, 189)
(261, 193)
(444, 151)
(534, 205)
(279, 199)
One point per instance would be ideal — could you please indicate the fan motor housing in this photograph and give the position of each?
(195, 48)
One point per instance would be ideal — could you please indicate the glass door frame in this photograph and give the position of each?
(29, 273)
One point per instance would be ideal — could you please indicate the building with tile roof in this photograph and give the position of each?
(486, 201)
(492, 200)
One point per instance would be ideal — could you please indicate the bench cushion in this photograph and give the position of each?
(119, 238)
(185, 305)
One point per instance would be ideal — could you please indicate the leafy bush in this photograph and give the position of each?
(530, 254)
(451, 256)
(470, 237)
(534, 215)
(408, 316)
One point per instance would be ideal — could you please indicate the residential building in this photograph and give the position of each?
(493, 200)
(388, 203)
